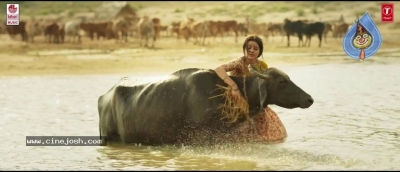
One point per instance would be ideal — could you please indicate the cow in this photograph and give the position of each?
(157, 26)
(223, 27)
(101, 29)
(132, 21)
(174, 29)
(309, 29)
(146, 31)
(275, 29)
(72, 29)
(32, 28)
(170, 110)
(164, 29)
(215, 29)
(242, 29)
(54, 33)
(230, 25)
(340, 30)
(293, 27)
(203, 31)
(199, 31)
(120, 28)
(258, 29)
(327, 29)
(184, 29)
(17, 29)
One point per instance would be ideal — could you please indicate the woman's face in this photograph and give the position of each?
(252, 50)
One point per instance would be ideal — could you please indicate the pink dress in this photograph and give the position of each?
(268, 124)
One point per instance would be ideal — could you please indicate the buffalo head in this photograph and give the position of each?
(277, 88)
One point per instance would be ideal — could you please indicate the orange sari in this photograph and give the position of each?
(268, 124)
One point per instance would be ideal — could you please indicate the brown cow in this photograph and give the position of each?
(199, 30)
(185, 28)
(42, 25)
(275, 29)
(32, 29)
(157, 27)
(215, 28)
(258, 29)
(242, 29)
(101, 29)
(230, 25)
(340, 29)
(165, 30)
(54, 33)
(17, 29)
(174, 28)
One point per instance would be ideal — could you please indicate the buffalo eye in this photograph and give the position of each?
(282, 82)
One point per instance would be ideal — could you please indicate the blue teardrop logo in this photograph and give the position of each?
(363, 39)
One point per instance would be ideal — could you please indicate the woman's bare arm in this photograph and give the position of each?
(221, 72)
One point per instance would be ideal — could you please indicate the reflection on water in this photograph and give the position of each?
(354, 124)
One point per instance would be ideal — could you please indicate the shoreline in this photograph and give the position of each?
(28, 66)
(18, 59)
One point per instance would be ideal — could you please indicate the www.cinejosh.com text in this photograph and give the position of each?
(64, 141)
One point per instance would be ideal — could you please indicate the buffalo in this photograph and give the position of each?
(309, 29)
(172, 110)
(293, 28)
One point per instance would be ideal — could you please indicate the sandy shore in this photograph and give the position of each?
(108, 57)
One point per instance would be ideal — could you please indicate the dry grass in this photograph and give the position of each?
(233, 107)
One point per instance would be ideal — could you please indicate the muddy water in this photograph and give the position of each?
(354, 124)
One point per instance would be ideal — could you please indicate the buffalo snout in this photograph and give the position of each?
(306, 102)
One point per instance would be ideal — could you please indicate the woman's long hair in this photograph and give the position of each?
(256, 39)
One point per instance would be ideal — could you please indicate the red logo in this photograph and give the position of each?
(387, 12)
(12, 8)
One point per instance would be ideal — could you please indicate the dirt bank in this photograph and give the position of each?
(105, 57)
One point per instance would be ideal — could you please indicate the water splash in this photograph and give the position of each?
(368, 24)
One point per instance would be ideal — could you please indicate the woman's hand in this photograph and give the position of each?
(235, 92)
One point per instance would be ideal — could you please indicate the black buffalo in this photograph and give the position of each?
(310, 29)
(169, 111)
(293, 28)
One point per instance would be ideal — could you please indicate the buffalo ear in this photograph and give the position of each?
(263, 93)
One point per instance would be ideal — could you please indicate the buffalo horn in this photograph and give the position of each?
(253, 71)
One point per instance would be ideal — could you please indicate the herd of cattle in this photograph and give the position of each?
(145, 29)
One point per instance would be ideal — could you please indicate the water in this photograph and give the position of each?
(353, 124)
